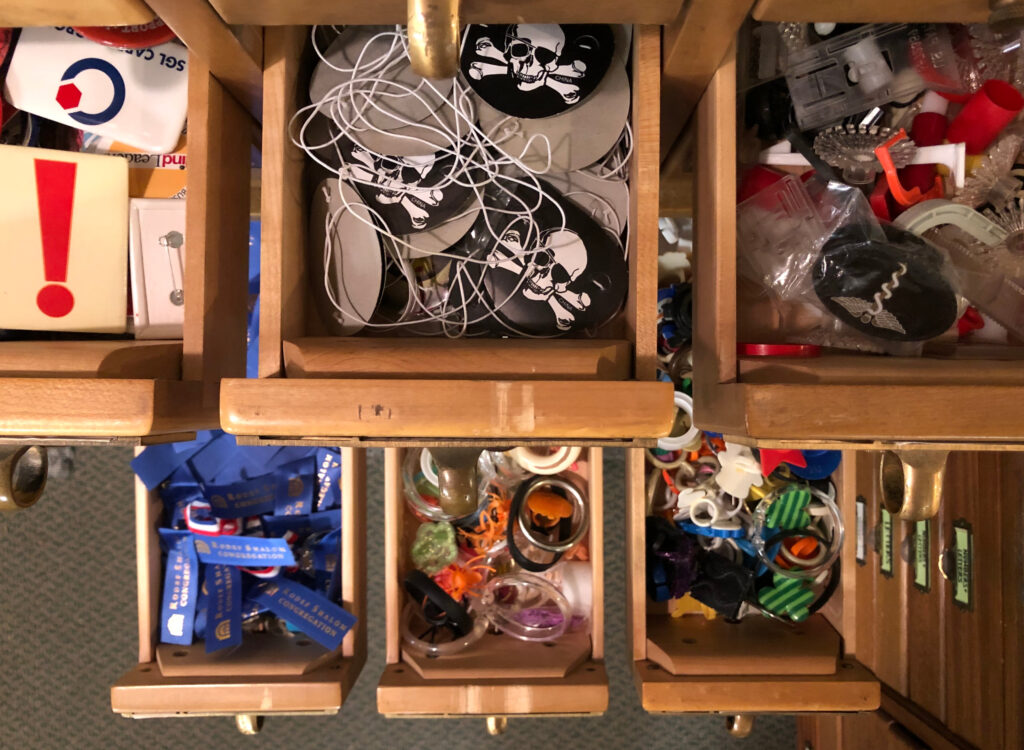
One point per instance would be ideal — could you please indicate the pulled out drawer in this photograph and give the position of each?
(265, 675)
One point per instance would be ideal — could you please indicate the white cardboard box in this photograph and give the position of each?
(157, 264)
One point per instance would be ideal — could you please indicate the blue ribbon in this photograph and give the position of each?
(244, 551)
(223, 584)
(312, 524)
(327, 551)
(328, 477)
(296, 483)
(181, 584)
(317, 617)
(158, 462)
(249, 497)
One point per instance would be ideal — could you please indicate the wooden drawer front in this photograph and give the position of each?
(690, 664)
(282, 12)
(70, 13)
(958, 666)
(503, 676)
(841, 397)
(280, 679)
(358, 387)
(133, 389)
(877, 730)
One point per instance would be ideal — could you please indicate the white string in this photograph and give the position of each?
(475, 163)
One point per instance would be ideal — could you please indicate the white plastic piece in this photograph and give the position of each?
(926, 215)
(934, 102)
(740, 470)
(685, 403)
(951, 155)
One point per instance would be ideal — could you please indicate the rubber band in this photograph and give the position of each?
(684, 403)
(538, 462)
(655, 460)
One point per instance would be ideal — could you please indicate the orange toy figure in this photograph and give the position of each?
(548, 508)
(460, 581)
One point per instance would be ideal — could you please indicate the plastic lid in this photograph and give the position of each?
(778, 350)
(129, 37)
(526, 606)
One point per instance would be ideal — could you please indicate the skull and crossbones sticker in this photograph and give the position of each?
(551, 276)
(895, 289)
(536, 70)
(411, 193)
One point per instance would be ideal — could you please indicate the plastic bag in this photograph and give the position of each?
(818, 248)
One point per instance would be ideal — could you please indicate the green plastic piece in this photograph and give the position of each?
(434, 548)
(790, 597)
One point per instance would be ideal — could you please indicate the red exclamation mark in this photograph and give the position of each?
(55, 190)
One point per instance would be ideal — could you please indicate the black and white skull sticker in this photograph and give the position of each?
(553, 279)
(411, 193)
(895, 290)
(536, 70)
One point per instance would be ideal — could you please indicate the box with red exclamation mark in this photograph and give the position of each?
(63, 241)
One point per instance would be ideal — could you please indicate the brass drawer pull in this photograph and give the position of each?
(434, 37)
(22, 476)
(911, 483)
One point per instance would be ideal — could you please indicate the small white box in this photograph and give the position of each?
(157, 267)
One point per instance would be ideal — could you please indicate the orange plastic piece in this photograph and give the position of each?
(804, 547)
(899, 193)
(548, 506)
(493, 524)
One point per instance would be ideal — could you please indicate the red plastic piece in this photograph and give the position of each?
(928, 129)
(754, 180)
(971, 320)
(771, 458)
(880, 200)
(128, 37)
(985, 114)
(778, 350)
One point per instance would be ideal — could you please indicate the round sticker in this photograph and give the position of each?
(893, 290)
(623, 41)
(318, 132)
(377, 52)
(559, 279)
(411, 193)
(604, 201)
(536, 70)
(444, 128)
(443, 236)
(348, 293)
(575, 139)
(129, 37)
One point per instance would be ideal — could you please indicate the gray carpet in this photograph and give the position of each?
(67, 632)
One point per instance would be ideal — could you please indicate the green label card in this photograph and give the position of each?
(862, 551)
(922, 555)
(963, 581)
(885, 544)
